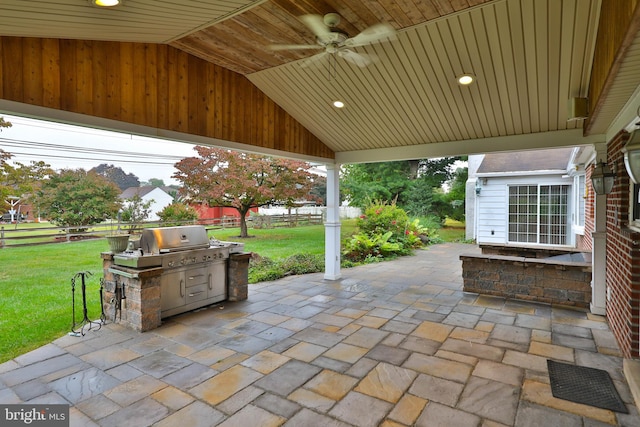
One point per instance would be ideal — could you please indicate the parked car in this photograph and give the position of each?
(6, 217)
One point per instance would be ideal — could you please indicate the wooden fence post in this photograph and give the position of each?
(2, 237)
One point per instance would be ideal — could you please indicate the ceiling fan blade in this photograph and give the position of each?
(294, 46)
(371, 35)
(359, 59)
(313, 60)
(316, 24)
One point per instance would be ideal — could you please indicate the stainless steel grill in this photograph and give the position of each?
(194, 268)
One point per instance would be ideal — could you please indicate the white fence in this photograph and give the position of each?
(345, 211)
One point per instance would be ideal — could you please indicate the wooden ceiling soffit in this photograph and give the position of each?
(618, 27)
(150, 85)
(241, 43)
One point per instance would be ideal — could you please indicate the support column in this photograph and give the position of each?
(332, 225)
(599, 245)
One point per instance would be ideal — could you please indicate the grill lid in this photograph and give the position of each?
(171, 239)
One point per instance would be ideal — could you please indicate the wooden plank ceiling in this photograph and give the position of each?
(529, 57)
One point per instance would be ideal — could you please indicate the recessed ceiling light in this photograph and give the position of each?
(106, 3)
(466, 79)
(338, 104)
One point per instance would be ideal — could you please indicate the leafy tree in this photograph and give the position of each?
(136, 210)
(4, 157)
(19, 179)
(156, 182)
(221, 177)
(319, 188)
(74, 197)
(116, 175)
(412, 185)
(4, 123)
(386, 181)
(420, 197)
(22, 180)
(177, 214)
(456, 194)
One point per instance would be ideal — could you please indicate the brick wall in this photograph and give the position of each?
(531, 279)
(623, 257)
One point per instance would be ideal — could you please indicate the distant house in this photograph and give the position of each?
(161, 198)
(530, 198)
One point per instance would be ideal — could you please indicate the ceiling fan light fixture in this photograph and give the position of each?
(106, 3)
(338, 104)
(465, 79)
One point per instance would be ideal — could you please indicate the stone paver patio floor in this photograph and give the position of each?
(391, 344)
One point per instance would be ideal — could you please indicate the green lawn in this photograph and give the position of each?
(35, 292)
(278, 243)
(35, 281)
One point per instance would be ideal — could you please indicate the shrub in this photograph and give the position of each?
(177, 214)
(362, 247)
(385, 231)
(264, 269)
(303, 264)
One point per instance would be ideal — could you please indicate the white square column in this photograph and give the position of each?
(332, 225)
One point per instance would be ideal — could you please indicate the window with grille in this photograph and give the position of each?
(538, 214)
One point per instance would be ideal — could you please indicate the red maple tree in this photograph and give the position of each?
(220, 177)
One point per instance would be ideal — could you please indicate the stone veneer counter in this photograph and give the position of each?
(549, 280)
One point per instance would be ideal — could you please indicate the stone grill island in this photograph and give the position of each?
(171, 270)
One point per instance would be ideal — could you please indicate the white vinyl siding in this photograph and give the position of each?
(492, 222)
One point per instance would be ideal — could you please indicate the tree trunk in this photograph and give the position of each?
(243, 222)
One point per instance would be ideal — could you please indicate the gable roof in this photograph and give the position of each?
(529, 58)
(140, 191)
(527, 161)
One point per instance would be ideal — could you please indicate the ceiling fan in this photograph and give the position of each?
(336, 42)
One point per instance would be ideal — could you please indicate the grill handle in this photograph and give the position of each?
(210, 282)
(182, 287)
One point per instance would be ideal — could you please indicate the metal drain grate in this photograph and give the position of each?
(588, 386)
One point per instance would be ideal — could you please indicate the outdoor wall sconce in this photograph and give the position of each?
(602, 178)
(478, 188)
(632, 156)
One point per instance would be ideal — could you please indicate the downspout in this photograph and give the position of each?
(599, 245)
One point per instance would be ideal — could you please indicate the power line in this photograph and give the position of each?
(86, 150)
(129, 156)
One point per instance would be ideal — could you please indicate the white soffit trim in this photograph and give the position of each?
(532, 141)
(556, 172)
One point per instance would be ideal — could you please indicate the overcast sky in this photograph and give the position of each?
(67, 146)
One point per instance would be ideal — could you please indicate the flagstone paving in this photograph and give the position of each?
(390, 344)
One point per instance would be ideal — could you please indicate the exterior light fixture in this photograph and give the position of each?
(632, 156)
(338, 104)
(106, 3)
(602, 178)
(465, 79)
